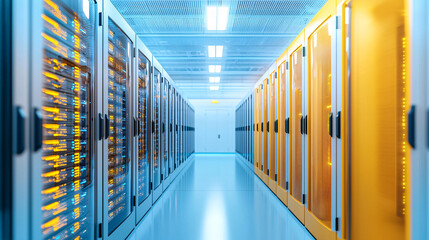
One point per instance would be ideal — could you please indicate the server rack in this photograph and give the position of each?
(164, 132)
(171, 129)
(156, 129)
(283, 132)
(266, 102)
(143, 165)
(321, 137)
(181, 139)
(176, 130)
(272, 170)
(296, 198)
(262, 138)
(117, 113)
(256, 128)
(62, 80)
(251, 131)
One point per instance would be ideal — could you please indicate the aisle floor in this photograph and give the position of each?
(217, 197)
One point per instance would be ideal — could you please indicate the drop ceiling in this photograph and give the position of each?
(257, 32)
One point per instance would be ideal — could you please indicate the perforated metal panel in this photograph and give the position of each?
(257, 33)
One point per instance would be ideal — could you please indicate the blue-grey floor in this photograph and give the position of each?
(218, 198)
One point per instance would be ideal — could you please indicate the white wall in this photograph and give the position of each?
(214, 125)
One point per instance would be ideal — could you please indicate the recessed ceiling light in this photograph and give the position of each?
(218, 68)
(214, 79)
(214, 88)
(211, 18)
(214, 68)
(212, 51)
(215, 101)
(222, 17)
(219, 50)
(217, 18)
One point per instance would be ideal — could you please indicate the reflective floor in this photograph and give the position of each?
(217, 197)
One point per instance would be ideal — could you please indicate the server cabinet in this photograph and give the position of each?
(249, 128)
(181, 138)
(170, 129)
(117, 110)
(272, 174)
(62, 80)
(164, 133)
(266, 103)
(246, 109)
(256, 129)
(322, 113)
(284, 130)
(143, 192)
(156, 129)
(262, 138)
(382, 163)
(297, 123)
(176, 131)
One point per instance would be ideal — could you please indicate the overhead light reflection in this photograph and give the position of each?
(215, 223)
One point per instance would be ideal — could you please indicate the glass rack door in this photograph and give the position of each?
(170, 128)
(67, 77)
(319, 137)
(164, 129)
(119, 164)
(296, 124)
(143, 164)
(155, 129)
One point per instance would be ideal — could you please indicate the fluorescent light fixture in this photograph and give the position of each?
(222, 17)
(217, 18)
(211, 18)
(212, 51)
(215, 101)
(214, 79)
(214, 88)
(218, 68)
(215, 68)
(219, 50)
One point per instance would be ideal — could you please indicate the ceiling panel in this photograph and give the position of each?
(257, 33)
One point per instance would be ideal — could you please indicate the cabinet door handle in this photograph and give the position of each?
(287, 125)
(338, 123)
(135, 127)
(20, 138)
(106, 126)
(100, 126)
(38, 130)
(330, 124)
(412, 126)
(302, 125)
